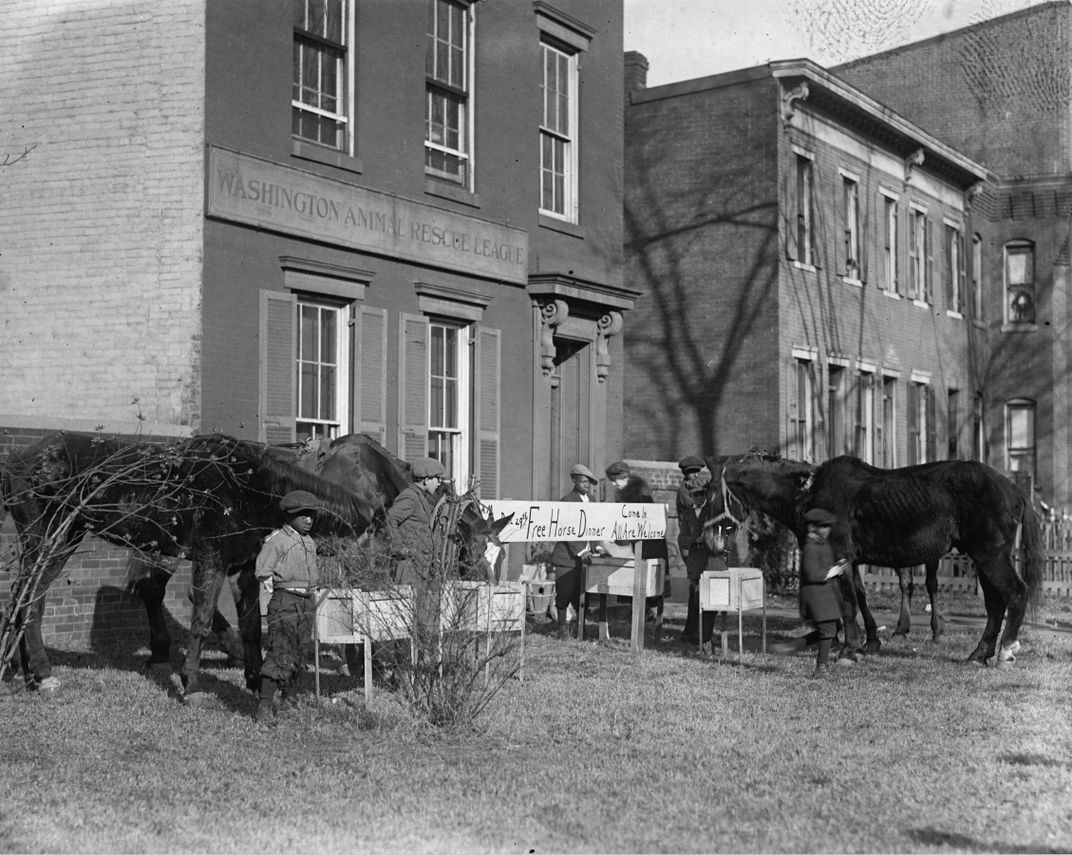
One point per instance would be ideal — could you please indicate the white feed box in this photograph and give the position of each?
(609, 575)
(737, 589)
(349, 616)
(480, 606)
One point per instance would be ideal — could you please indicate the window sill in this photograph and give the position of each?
(852, 280)
(803, 265)
(321, 154)
(923, 304)
(453, 192)
(893, 295)
(951, 314)
(1019, 328)
(556, 225)
(978, 324)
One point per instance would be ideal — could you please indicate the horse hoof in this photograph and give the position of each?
(898, 640)
(873, 646)
(196, 699)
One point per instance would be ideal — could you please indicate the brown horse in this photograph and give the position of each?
(901, 518)
(209, 498)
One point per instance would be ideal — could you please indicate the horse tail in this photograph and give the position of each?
(1031, 557)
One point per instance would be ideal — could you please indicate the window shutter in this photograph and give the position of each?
(412, 386)
(932, 425)
(277, 342)
(487, 389)
(370, 373)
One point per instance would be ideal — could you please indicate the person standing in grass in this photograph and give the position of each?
(818, 598)
(287, 570)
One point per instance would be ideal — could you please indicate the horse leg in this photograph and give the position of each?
(995, 612)
(846, 590)
(872, 644)
(33, 658)
(151, 590)
(246, 592)
(1014, 591)
(937, 624)
(207, 579)
(907, 586)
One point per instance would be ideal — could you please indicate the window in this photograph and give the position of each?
(850, 211)
(976, 296)
(953, 269)
(835, 428)
(558, 131)
(1020, 283)
(887, 438)
(952, 414)
(978, 434)
(322, 364)
(448, 397)
(918, 422)
(319, 100)
(800, 420)
(803, 209)
(918, 250)
(447, 73)
(864, 416)
(890, 250)
(1020, 436)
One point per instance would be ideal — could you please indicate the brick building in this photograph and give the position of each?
(802, 250)
(999, 91)
(315, 217)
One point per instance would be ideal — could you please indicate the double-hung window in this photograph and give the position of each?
(890, 248)
(802, 229)
(976, 299)
(558, 130)
(1020, 282)
(322, 369)
(850, 212)
(953, 269)
(319, 102)
(801, 427)
(1020, 436)
(448, 395)
(864, 416)
(448, 70)
(918, 250)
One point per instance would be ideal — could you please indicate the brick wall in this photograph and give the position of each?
(88, 604)
(101, 220)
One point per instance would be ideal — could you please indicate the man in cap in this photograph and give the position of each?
(693, 545)
(631, 488)
(570, 557)
(689, 465)
(287, 569)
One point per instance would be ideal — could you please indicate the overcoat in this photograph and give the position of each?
(566, 552)
(818, 599)
(413, 541)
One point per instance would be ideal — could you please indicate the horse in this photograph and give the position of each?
(210, 498)
(901, 518)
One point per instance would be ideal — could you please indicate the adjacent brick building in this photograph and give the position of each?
(802, 252)
(284, 218)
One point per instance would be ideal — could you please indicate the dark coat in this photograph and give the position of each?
(818, 599)
(636, 491)
(412, 539)
(567, 552)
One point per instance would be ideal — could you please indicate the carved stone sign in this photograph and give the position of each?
(258, 192)
(535, 522)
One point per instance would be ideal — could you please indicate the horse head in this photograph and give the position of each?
(757, 480)
(477, 535)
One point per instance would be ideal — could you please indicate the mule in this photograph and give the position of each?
(902, 518)
(209, 498)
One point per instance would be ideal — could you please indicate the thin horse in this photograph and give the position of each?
(904, 517)
(210, 498)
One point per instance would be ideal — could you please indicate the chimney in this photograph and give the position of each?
(636, 71)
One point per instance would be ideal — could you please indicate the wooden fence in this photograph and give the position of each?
(956, 573)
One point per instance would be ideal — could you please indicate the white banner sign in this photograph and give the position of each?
(552, 521)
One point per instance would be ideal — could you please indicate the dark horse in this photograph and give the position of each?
(901, 518)
(209, 498)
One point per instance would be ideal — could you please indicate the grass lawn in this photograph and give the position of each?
(598, 750)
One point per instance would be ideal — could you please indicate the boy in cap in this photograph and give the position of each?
(695, 550)
(818, 600)
(570, 557)
(287, 570)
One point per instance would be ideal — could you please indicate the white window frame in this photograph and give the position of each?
(344, 74)
(918, 287)
(953, 266)
(889, 420)
(864, 415)
(977, 277)
(459, 92)
(1015, 453)
(458, 436)
(1019, 247)
(802, 426)
(850, 213)
(891, 242)
(321, 426)
(804, 215)
(921, 385)
(564, 202)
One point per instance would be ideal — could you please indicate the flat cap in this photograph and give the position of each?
(579, 470)
(820, 516)
(690, 464)
(618, 470)
(299, 500)
(426, 467)
(696, 482)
